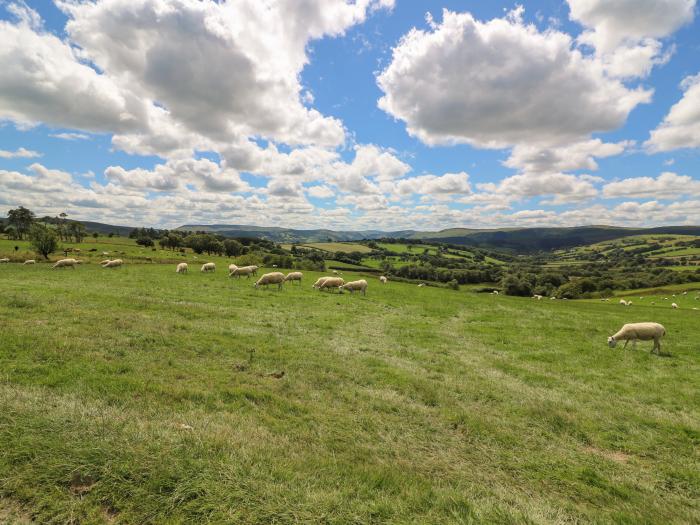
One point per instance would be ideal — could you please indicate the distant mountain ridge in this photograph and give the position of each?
(524, 240)
(515, 239)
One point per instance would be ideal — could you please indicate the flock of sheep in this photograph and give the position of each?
(278, 278)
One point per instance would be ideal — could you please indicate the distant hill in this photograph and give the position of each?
(106, 229)
(288, 235)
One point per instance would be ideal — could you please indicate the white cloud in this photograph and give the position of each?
(500, 83)
(320, 191)
(447, 184)
(42, 81)
(668, 185)
(70, 136)
(559, 187)
(681, 127)
(575, 156)
(20, 153)
(624, 33)
(612, 23)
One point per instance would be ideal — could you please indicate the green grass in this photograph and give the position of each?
(141, 396)
(345, 247)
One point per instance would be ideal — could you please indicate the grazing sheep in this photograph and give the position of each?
(382, 279)
(105, 254)
(421, 285)
(623, 302)
(29, 261)
(104, 262)
(553, 298)
(639, 331)
(116, 263)
(685, 293)
(495, 292)
(294, 276)
(4, 260)
(319, 282)
(674, 305)
(254, 269)
(274, 266)
(335, 272)
(208, 267)
(629, 303)
(243, 270)
(181, 268)
(65, 263)
(355, 286)
(539, 297)
(231, 268)
(653, 303)
(271, 278)
(332, 282)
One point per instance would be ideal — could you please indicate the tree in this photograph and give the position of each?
(95, 235)
(43, 239)
(21, 219)
(144, 241)
(77, 231)
(232, 248)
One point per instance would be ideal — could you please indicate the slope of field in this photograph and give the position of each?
(141, 396)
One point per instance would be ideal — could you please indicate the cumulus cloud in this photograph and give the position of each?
(43, 81)
(668, 185)
(20, 153)
(444, 185)
(500, 83)
(70, 136)
(575, 156)
(624, 33)
(559, 187)
(681, 127)
(320, 191)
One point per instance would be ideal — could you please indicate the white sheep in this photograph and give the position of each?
(553, 298)
(104, 262)
(105, 254)
(629, 303)
(116, 263)
(539, 297)
(685, 293)
(208, 267)
(382, 279)
(623, 302)
(65, 263)
(639, 331)
(231, 268)
(674, 305)
(243, 270)
(421, 285)
(495, 292)
(319, 282)
(332, 282)
(355, 286)
(29, 261)
(271, 278)
(181, 268)
(4, 260)
(294, 276)
(335, 272)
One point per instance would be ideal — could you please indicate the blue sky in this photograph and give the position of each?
(384, 114)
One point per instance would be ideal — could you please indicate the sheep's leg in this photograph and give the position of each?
(657, 346)
(626, 341)
(634, 344)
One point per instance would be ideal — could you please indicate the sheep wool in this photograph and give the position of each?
(639, 332)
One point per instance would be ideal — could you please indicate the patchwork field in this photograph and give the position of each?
(141, 396)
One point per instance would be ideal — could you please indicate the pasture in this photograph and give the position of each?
(140, 396)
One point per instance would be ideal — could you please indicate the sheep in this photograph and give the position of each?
(253, 269)
(208, 267)
(674, 305)
(335, 272)
(271, 278)
(421, 285)
(4, 260)
(243, 270)
(294, 276)
(495, 292)
(653, 303)
(382, 279)
(354, 286)
(319, 282)
(539, 297)
(623, 302)
(116, 263)
(629, 303)
(641, 332)
(65, 263)
(181, 268)
(104, 262)
(105, 254)
(332, 282)
(553, 298)
(231, 268)
(685, 293)
(29, 261)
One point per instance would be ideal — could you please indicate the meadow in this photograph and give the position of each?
(140, 396)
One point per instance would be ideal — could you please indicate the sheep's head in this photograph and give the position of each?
(611, 342)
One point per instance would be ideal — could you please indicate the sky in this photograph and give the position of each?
(364, 114)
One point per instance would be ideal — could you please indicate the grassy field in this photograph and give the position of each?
(344, 247)
(141, 396)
